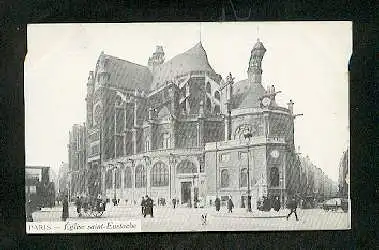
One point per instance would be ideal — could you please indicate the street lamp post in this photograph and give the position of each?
(248, 137)
(172, 161)
(131, 161)
(147, 162)
(113, 168)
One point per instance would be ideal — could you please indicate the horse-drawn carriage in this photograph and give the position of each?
(92, 206)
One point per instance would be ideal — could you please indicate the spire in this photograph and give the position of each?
(200, 34)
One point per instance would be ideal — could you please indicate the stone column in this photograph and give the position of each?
(133, 183)
(134, 135)
(113, 182)
(103, 186)
(266, 125)
(148, 184)
(173, 133)
(122, 194)
(193, 193)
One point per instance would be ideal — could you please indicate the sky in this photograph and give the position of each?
(307, 61)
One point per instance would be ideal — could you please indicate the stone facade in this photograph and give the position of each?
(176, 129)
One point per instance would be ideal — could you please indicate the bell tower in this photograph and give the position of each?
(156, 59)
(254, 71)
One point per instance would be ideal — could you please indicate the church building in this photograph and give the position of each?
(177, 129)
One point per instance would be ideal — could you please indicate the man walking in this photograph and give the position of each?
(293, 206)
(65, 208)
(174, 202)
(143, 205)
(29, 216)
(217, 204)
(230, 205)
(277, 204)
(79, 205)
(148, 208)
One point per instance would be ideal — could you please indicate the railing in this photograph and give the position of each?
(158, 153)
(242, 111)
(242, 142)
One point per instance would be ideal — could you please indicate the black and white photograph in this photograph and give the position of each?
(183, 127)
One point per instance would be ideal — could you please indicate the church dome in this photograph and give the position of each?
(247, 95)
(194, 59)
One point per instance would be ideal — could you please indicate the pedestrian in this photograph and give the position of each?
(65, 213)
(277, 204)
(143, 205)
(148, 208)
(293, 206)
(29, 216)
(217, 204)
(230, 205)
(174, 202)
(78, 204)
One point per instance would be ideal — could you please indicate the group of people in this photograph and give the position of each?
(230, 204)
(147, 205)
(275, 204)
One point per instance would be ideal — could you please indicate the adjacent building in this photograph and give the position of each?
(63, 180)
(38, 186)
(77, 159)
(343, 179)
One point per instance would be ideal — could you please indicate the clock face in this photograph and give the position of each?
(275, 153)
(266, 101)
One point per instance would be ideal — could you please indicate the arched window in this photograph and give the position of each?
(140, 177)
(243, 178)
(186, 167)
(159, 175)
(208, 104)
(217, 95)
(217, 109)
(208, 88)
(274, 177)
(224, 178)
(128, 178)
(118, 178)
(97, 115)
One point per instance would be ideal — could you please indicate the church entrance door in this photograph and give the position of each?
(185, 190)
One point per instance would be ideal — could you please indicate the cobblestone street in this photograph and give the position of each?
(186, 219)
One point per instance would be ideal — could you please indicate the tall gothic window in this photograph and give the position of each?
(208, 104)
(140, 177)
(224, 178)
(208, 88)
(128, 177)
(274, 177)
(217, 109)
(243, 178)
(159, 175)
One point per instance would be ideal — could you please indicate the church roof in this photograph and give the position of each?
(246, 95)
(125, 74)
(194, 59)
